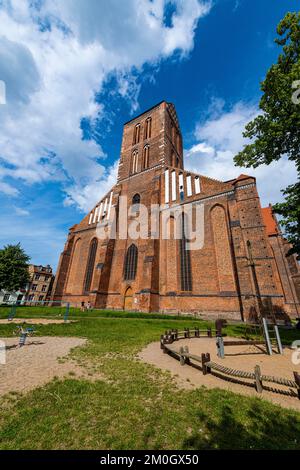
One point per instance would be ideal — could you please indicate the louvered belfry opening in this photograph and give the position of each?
(185, 260)
(90, 265)
(130, 265)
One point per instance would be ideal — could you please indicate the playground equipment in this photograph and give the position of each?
(23, 333)
(269, 333)
(61, 308)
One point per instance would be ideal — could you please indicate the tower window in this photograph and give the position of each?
(148, 125)
(146, 157)
(136, 134)
(135, 161)
(90, 265)
(130, 264)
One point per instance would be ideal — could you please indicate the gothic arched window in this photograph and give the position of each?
(146, 157)
(136, 134)
(135, 161)
(130, 264)
(148, 125)
(90, 265)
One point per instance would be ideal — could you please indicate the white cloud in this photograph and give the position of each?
(8, 189)
(21, 212)
(54, 56)
(220, 138)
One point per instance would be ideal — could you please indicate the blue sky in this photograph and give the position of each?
(75, 71)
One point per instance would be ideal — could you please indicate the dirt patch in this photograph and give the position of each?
(34, 321)
(237, 357)
(38, 362)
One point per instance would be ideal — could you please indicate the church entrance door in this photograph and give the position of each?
(128, 300)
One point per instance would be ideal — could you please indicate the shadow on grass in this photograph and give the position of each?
(255, 431)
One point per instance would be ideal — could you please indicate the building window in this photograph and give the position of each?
(44, 288)
(135, 161)
(136, 134)
(41, 297)
(34, 287)
(148, 125)
(31, 297)
(146, 157)
(46, 278)
(6, 298)
(130, 264)
(36, 277)
(136, 199)
(90, 265)
(185, 261)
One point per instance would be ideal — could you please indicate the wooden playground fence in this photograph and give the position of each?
(207, 366)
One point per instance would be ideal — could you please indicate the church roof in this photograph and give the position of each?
(270, 221)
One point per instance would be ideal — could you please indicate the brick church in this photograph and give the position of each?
(239, 270)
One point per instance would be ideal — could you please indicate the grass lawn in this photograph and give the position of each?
(136, 406)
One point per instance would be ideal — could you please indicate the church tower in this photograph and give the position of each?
(151, 140)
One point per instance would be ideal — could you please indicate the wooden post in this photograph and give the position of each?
(188, 333)
(205, 357)
(297, 380)
(220, 347)
(182, 358)
(187, 359)
(209, 333)
(162, 342)
(258, 382)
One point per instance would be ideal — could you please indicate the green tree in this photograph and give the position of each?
(276, 131)
(13, 268)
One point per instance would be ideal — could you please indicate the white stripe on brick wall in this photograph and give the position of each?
(189, 185)
(91, 217)
(180, 183)
(174, 192)
(109, 206)
(100, 211)
(197, 185)
(95, 215)
(167, 197)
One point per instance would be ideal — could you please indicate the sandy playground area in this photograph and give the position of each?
(37, 363)
(34, 321)
(236, 357)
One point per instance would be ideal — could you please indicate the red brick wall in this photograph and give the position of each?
(223, 282)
